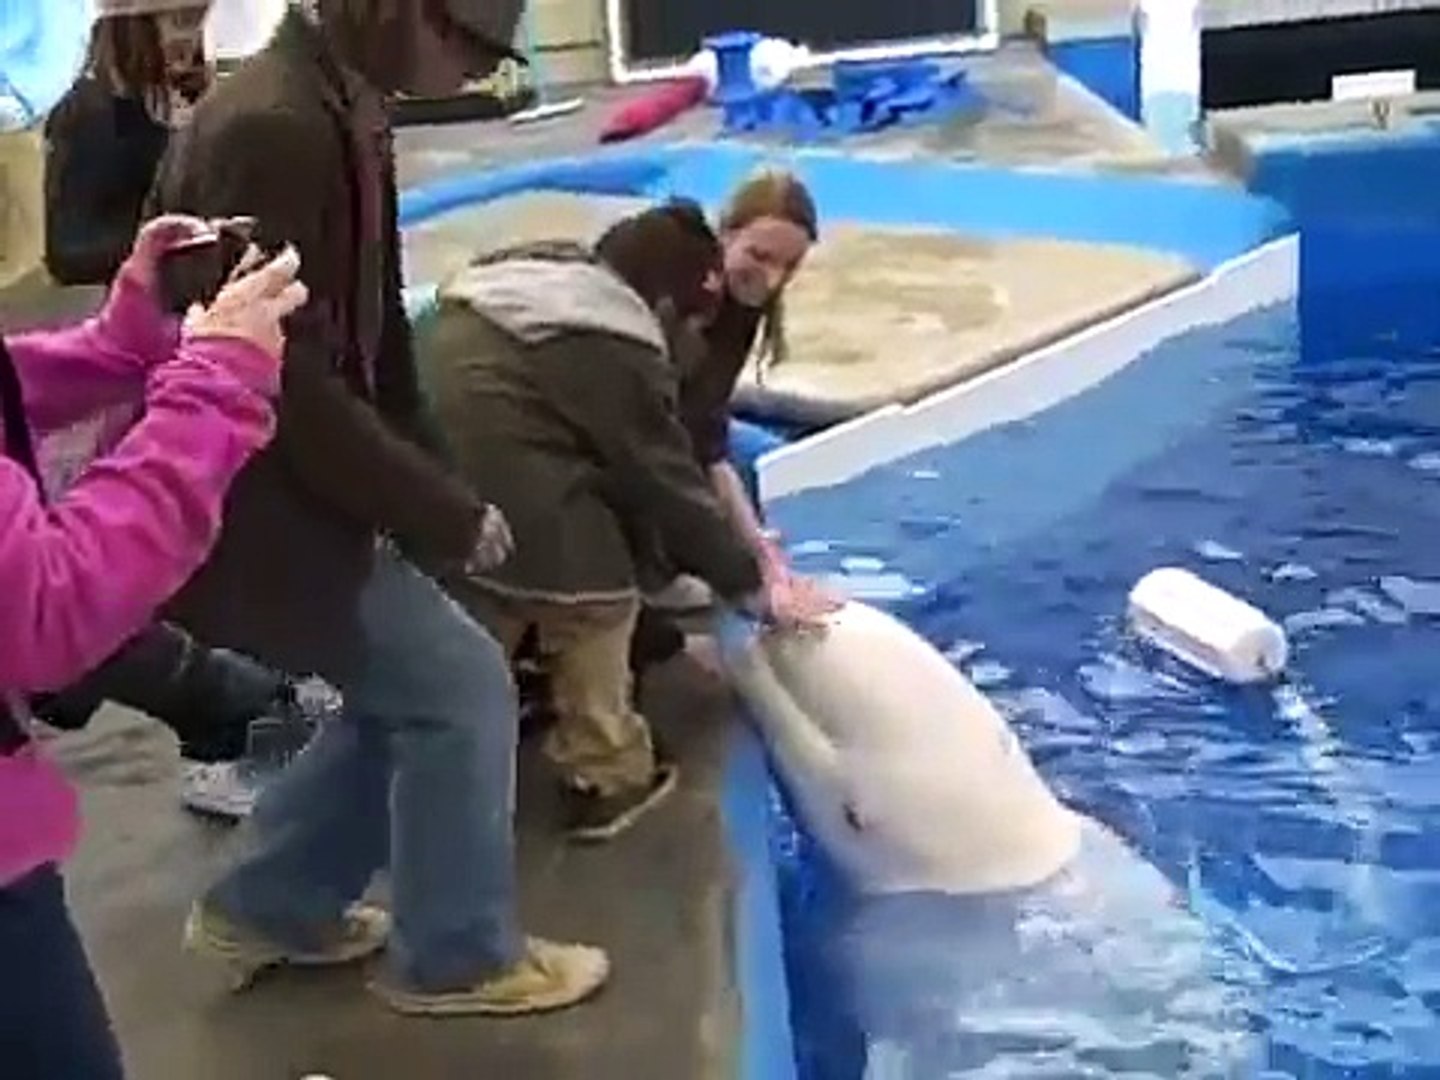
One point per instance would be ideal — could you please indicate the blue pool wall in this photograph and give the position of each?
(1211, 225)
(1367, 195)
(1109, 67)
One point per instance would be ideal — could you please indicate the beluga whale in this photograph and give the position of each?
(986, 928)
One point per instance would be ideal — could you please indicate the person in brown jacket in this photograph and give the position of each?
(314, 572)
(550, 373)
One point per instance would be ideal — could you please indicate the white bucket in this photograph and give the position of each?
(1207, 628)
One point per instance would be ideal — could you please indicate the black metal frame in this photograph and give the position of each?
(1296, 61)
(664, 31)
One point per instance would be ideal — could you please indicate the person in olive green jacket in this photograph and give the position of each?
(549, 373)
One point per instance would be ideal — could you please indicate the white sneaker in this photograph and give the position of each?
(684, 594)
(226, 789)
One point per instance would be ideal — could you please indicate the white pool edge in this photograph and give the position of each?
(1267, 275)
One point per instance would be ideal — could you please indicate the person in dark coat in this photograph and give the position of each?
(316, 568)
(144, 71)
(552, 381)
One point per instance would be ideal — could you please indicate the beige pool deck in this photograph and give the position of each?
(660, 899)
(882, 316)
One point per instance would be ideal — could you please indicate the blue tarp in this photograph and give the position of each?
(42, 47)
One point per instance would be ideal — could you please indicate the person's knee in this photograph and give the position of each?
(471, 675)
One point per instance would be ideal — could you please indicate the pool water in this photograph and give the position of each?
(1293, 459)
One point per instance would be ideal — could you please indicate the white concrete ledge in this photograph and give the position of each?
(1268, 275)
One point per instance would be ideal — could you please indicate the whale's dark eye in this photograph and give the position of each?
(852, 818)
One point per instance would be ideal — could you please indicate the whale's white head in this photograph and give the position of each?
(904, 772)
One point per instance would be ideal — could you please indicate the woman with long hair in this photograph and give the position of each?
(767, 227)
(84, 572)
(145, 70)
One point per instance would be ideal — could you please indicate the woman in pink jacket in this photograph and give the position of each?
(80, 576)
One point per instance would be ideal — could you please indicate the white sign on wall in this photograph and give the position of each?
(1372, 84)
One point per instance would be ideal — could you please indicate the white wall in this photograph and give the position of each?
(238, 28)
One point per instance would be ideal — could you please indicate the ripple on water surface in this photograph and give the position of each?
(1302, 825)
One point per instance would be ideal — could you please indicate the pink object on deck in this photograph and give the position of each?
(654, 109)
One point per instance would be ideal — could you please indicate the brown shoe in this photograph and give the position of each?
(362, 933)
(549, 977)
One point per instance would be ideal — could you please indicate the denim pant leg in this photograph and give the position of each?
(441, 685)
(53, 1022)
(320, 831)
(419, 769)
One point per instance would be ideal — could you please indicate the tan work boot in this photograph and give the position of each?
(549, 977)
(208, 932)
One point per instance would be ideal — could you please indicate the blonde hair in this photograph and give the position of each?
(772, 193)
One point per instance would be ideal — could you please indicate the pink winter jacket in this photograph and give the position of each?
(81, 576)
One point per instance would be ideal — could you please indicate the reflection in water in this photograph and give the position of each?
(1101, 971)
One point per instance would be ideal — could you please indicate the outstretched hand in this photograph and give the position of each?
(795, 603)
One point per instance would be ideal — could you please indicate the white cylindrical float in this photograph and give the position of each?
(1206, 627)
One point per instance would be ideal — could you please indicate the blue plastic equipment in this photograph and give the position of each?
(733, 78)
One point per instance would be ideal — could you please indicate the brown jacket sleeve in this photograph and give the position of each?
(268, 164)
(398, 393)
(622, 395)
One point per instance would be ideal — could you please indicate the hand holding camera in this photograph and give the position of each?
(258, 294)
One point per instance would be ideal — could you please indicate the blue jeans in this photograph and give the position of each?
(53, 1023)
(417, 774)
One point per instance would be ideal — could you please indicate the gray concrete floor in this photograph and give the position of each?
(658, 899)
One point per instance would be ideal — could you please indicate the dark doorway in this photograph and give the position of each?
(1295, 61)
(663, 30)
